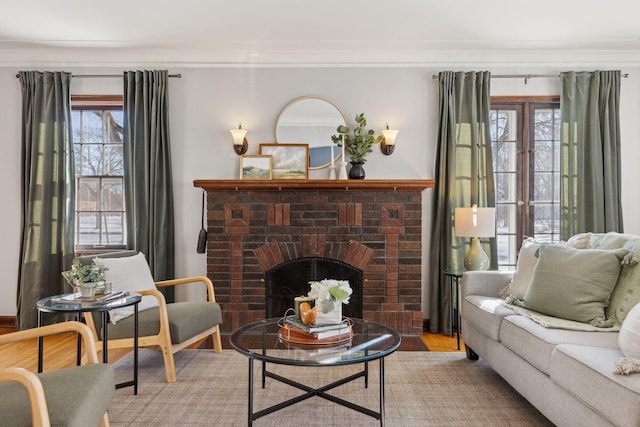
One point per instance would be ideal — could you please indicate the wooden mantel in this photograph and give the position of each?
(226, 185)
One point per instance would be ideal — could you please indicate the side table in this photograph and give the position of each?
(454, 311)
(51, 305)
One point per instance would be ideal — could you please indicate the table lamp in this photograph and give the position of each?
(475, 222)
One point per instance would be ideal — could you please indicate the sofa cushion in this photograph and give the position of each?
(485, 314)
(585, 372)
(186, 320)
(535, 343)
(574, 284)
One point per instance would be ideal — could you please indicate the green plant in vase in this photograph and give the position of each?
(86, 277)
(358, 144)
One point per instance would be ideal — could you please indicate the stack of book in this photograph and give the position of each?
(294, 330)
(77, 299)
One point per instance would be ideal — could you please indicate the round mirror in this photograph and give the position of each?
(311, 120)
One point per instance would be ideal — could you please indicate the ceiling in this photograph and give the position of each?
(205, 32)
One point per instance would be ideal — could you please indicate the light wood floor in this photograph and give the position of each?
(60, 350)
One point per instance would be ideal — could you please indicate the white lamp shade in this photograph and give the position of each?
(390, 136)
(475, 222)
(238, 136)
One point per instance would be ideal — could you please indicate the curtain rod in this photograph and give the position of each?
(105, 76)
(526, 77)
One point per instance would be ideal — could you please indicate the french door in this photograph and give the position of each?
(525, 138)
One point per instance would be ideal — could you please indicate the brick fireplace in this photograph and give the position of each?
(373, 225)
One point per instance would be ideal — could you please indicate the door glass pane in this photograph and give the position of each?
(504, 144)
(545, 176)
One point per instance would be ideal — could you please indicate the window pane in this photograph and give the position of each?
(92, 127)
(112, 194)
(546, 224)
(544, 156)
(113, 161)
(91, 158)
(113, 120)
(87, 194)
(112, 228)
(75, 119)
(543, 124)
(87, 230)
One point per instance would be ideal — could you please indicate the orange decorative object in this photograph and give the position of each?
(307, 314)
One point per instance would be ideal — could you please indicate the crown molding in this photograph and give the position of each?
(126, 57)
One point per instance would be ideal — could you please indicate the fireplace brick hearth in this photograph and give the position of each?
(374, 226)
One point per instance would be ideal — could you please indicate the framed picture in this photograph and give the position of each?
(255, 167)
(290, 161)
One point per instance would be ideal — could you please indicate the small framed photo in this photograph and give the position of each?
(290, 161)
(255, 166)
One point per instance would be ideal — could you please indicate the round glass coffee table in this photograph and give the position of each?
(260, 341)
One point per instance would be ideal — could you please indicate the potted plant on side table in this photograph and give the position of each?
(358, 144)
(87, 279)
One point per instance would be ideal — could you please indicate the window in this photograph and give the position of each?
(97, 140)
(525, 140)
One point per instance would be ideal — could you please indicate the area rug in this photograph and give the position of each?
(421, 389)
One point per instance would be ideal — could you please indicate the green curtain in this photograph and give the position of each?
(590, 197)
(48, 191)
(148, 179)
(464, 176)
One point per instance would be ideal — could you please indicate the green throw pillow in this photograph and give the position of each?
(574, 284)
(627, 292)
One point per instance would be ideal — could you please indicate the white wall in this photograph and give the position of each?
(206, 102)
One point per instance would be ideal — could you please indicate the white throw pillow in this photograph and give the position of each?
(524, 268)
(130, 274)
(629, 343)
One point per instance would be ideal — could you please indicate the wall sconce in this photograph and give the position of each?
(475, 222)
(239, 141)
(388, 141)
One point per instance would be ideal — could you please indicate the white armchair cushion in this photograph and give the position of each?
(128, 274)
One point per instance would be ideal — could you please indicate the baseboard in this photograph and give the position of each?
(7, 321)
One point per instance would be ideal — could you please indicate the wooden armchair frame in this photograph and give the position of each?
(163, 339)
(31, 382)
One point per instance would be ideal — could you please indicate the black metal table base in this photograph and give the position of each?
(105, 348)
(320, 392)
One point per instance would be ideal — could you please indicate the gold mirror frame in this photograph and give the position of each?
(311, 120)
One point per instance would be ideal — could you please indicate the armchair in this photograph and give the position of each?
(167, 326)
(75, 396)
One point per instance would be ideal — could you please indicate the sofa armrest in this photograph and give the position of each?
(486, 283)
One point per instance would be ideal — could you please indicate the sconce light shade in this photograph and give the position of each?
(475, 222)
(239, 141)
(388, 143)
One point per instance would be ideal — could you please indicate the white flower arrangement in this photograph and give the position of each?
(326, 292)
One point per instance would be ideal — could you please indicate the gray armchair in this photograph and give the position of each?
(78, 396)
(169, 326)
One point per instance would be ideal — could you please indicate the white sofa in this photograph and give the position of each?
(568, 375)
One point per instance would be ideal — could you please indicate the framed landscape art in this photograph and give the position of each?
(255, 167)
(290, 161)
